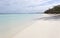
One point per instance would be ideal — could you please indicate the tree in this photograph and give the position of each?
(54, 10)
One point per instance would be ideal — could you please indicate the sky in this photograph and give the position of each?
(26, 6)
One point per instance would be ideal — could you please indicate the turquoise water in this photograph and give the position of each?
(10, 24)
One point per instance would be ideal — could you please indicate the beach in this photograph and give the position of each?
(11, 24)
(44, 28)
(29, 26)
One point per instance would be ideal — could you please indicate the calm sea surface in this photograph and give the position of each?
(11, 24)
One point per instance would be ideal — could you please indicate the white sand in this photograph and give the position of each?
(41, 29)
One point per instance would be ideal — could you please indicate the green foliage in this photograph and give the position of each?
(54, 10)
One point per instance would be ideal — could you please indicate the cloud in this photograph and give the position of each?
(39, 3)
(23, 6)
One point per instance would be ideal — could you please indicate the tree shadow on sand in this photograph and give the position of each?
(56, 17)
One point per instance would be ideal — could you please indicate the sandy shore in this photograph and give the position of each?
(41, 29)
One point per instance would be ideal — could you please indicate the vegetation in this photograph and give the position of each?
(54, 10)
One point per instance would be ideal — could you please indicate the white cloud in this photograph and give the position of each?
(21, 6)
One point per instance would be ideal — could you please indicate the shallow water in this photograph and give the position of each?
(10, 24)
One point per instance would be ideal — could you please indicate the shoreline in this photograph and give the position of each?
(41, 29)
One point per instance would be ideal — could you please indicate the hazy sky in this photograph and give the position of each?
(26, 6)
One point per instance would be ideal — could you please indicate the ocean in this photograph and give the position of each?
(11, 24)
